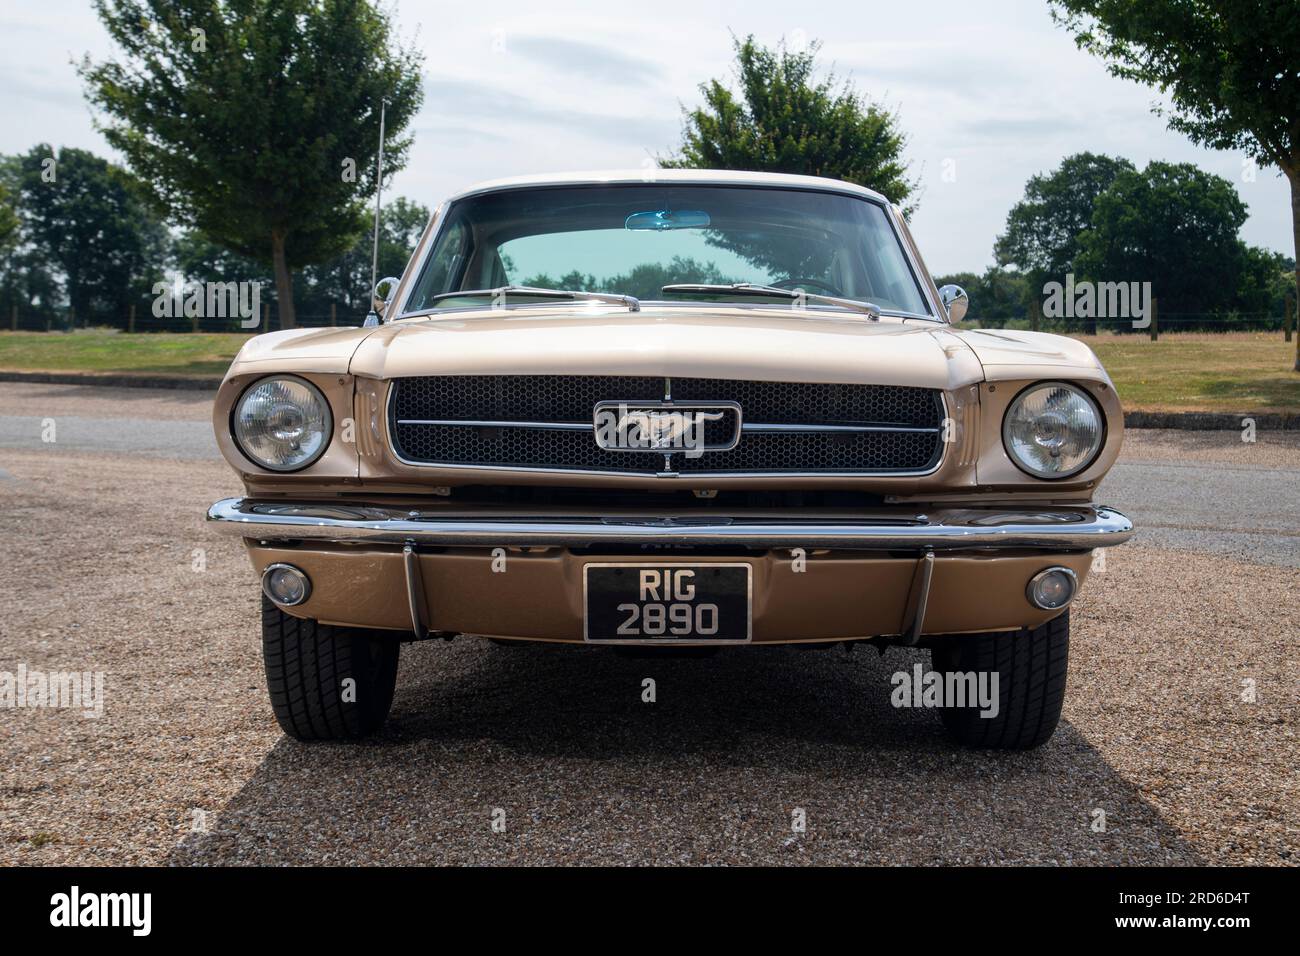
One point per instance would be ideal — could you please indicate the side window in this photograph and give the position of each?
(888, 273)
(444, 266)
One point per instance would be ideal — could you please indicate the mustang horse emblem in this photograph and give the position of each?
(622, 428)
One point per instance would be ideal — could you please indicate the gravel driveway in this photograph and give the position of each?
(105, 565)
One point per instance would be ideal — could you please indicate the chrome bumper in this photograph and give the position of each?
(1044, 529)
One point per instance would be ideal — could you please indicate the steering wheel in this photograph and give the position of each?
(797, 283)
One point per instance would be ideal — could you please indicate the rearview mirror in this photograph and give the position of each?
(666, 219)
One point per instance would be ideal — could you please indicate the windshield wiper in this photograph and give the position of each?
(749, 288)
(632, 303)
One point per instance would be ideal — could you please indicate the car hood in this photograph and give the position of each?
(1014, 354)
(687, 343)
(740, 343)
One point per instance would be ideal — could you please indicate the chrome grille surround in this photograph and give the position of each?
(543, 424)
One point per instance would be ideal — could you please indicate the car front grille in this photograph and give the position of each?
(544, 422)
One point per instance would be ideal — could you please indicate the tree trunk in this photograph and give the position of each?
(1293, 174)
(283, 283)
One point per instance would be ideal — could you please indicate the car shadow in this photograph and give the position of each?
(539, 754)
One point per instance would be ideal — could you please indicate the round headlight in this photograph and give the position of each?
(1053, 430)
(282, 423)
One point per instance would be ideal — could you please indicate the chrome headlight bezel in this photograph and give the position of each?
(1085, 462)
(323, 412)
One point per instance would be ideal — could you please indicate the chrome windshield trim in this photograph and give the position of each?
(566, 306)
(1049, 529)
(920, 276)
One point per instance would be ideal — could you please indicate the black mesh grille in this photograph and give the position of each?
(820, 451)
(517, 398)
(812, 403)
(517, 448)
(572, 399)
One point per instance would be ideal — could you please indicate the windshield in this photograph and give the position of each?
(635, 239)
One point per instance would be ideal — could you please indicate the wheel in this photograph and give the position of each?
(308, 666)
(1030, 666)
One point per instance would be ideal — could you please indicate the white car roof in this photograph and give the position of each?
(719, 177)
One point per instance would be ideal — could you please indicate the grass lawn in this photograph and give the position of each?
(99, 350)
(1204, 372)
(1230, 372)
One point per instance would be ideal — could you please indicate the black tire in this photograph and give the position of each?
(306, 666)
(1031, 667)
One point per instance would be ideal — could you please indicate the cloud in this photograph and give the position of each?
(44, 87)
(492, 111)
(460, 133)
(1017, 128)
(602, 63)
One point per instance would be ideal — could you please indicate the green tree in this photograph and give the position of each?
(1265, 283)
(345, 281)
(27, 281)
(784, 120)
(1043, 229)
(1172, 225)
(200, 259)
(1228, 67)
(88, 220)
(257, 121)
(997, 297)
(644, 281)
(8, 220)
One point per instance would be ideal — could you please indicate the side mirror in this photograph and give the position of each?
(383, 294)
(955, 300)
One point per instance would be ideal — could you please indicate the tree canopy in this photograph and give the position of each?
(1172, 225)
(346, 280)
(86, 220)
(1044, 229)
(997, 297)
(257, 121)
(1228, 66)
(1098, 217)
(644, 281)
(8, 220)
(783, 119)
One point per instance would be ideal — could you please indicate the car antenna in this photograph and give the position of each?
(372, 317)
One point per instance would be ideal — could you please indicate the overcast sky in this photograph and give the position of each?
(515, 87)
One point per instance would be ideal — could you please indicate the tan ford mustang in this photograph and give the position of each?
(666, 410)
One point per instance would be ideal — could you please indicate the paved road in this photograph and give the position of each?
(1247, 512)
(135, 436)
(186, 764)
